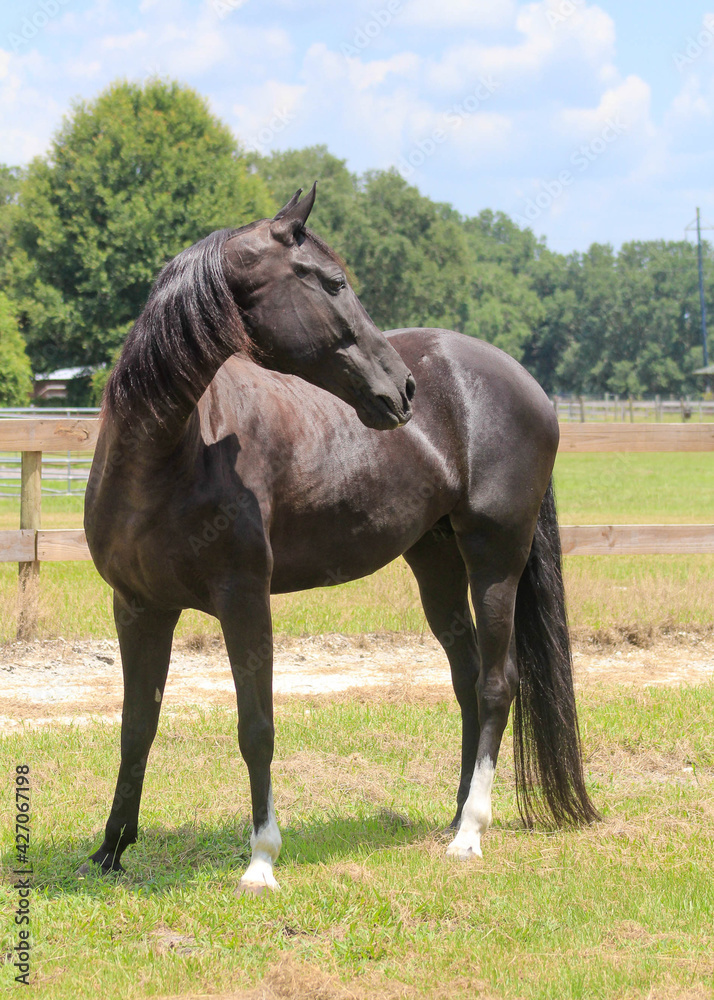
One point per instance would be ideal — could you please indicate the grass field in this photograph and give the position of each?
(364, 786)
(369, 905)
(609, 596)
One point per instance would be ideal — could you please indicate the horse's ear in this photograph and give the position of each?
(293, 216)
(291, 204)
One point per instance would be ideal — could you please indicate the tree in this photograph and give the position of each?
(338, 189)
(10, 183)
(415, 262)
(625, 322)
(131, 179)
(15, 371)
(504, 306)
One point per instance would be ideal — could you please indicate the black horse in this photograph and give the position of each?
(225, 472)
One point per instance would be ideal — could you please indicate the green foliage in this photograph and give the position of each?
(132, 178)
(595, 322)
(624, 322)
(99, 380)
(412, 260)
(284, 173)
(143, 171)
(10, 184)
(15, 371)
(410, 255)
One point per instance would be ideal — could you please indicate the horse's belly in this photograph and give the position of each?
(342, 545)
(303, 571)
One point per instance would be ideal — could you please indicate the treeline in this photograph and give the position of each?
(143, 171)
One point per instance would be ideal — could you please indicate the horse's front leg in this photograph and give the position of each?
(145, 637)
(245, 619)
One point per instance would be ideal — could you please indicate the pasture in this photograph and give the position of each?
(365, 786)
(369, 905)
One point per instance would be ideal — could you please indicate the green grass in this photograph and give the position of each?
(363, 791)
(629, 488)
(57, 512)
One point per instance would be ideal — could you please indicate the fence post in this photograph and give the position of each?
(581, 401)
(30, 517)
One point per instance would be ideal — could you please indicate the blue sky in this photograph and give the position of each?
(588, 122)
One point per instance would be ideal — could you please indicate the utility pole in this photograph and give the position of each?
(702, 304)
(697, 224)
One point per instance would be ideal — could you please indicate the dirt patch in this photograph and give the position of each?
(78, 682)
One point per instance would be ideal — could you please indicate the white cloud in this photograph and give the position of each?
(268, 112)
(447, 14)
(689, 105)
(28, 112)
(484, 135)
(124, 43)
(80, 69)
(587, 36)
(628, 102)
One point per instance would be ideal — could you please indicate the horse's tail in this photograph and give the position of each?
(549, 769)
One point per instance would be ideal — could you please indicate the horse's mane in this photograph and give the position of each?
(188, 328)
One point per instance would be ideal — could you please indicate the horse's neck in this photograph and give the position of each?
(137, 452)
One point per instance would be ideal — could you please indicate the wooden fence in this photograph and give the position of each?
(32, 545)
(582, 409)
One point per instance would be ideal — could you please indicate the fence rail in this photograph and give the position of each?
(31, 544)
(33, 436)
(614, 409)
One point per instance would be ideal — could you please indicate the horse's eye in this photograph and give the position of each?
(336, 284)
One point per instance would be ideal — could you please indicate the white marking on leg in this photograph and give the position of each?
(476, 814)
(157, 696)
(265, 846)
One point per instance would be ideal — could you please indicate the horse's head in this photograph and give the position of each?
(306, 320)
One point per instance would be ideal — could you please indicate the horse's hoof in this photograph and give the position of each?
(465, 848)
(93, 868)
(256, 888)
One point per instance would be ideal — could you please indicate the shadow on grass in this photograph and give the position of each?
(164, 860)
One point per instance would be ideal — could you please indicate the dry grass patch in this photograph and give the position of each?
(296, 979)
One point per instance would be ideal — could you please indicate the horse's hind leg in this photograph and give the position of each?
(145, 638)
(443, 582)
(495, 561)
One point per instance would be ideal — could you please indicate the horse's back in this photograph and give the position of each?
(477, 365)
(482, 385)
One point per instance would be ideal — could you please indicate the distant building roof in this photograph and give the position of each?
(62, 374)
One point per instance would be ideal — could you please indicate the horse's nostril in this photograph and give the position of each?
(411, 387)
